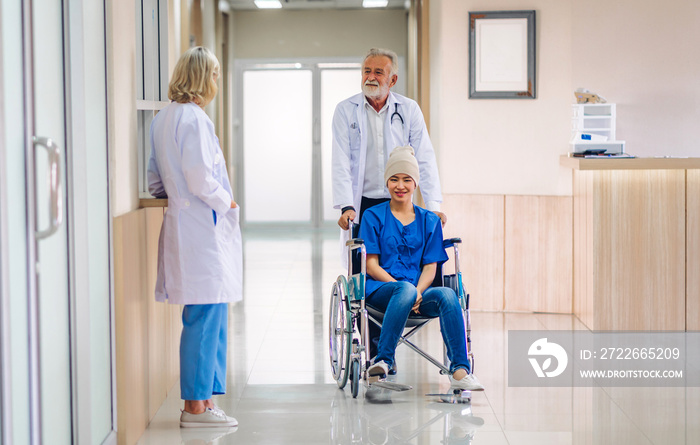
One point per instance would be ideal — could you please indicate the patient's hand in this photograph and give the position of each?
(419, 300)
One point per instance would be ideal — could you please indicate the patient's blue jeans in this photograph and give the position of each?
(203, 351)
(396, 300)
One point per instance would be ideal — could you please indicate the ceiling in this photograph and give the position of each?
(317, 4)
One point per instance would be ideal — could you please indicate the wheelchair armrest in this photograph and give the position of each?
(355, 242)
(451, 242)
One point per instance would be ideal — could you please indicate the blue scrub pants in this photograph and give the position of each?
(397, 298)
(203, 351)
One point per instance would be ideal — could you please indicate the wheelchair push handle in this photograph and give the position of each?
(353, 240)
(454, 243)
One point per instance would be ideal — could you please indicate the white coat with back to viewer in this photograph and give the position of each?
(200, 260)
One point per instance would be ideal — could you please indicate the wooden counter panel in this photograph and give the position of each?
(478, 220)
(629, 163)
(583, 304)
(639, 249)
(538, 254)
(131, 317)
(147, 334)
(152, 202)
(693, 251)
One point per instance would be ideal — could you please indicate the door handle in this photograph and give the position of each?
(54, 180)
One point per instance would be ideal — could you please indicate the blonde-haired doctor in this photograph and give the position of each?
(199, 250)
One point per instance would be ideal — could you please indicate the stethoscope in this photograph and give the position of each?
(397, 114)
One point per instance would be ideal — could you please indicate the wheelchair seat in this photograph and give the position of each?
(413, 319)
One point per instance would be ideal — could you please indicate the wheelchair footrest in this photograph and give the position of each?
(385, 384)
(456, 396)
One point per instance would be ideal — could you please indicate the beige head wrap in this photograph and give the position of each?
(402, 160)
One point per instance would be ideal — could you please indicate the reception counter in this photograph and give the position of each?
(636, 236)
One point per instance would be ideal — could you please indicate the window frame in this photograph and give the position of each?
(151, 76)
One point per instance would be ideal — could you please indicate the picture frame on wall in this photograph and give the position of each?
(502, 55)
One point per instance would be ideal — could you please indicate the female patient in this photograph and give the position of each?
(404, 245)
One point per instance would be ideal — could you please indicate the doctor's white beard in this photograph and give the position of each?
(374, 91)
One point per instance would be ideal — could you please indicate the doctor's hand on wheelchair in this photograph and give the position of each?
(443, 217)
(345, 218)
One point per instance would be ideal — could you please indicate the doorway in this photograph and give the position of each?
(283, 174)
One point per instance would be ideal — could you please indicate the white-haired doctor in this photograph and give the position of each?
(366, 128)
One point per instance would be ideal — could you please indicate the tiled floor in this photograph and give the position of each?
(281, 391)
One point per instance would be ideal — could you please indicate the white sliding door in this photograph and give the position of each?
(277, 145)
(284, 167)
(55, 276)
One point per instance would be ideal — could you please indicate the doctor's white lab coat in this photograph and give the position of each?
(199, 261)
(350, 147)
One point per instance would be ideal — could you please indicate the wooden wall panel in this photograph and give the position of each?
(583, 304)
(639, 265)
(131, 317)
(158, 339)
(479, 220)
(538, 253)
(590, 306)
(147, 333)
(693, 251)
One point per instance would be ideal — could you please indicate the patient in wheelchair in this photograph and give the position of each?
(404, 246)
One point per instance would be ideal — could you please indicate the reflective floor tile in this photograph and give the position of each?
(281, 390)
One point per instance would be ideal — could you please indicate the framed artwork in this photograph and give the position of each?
(502, 55)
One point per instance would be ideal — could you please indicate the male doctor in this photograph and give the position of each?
(366, 128)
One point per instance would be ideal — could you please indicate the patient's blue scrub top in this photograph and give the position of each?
(402, 250)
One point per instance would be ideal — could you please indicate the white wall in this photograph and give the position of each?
(640, 54)
(121, 101)
(318, 33)
(643, 55)
(501, 146)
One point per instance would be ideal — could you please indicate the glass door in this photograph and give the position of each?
(57, 364)
(50, 380)
(277, 146)
(92, 348)
(14, 362)
(284, 172)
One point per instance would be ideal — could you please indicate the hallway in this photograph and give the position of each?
(281, 390)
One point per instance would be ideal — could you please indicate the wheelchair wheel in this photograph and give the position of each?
(339, 323)
(355, 379)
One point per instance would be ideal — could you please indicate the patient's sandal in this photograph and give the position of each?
(467, 383)
(379, 369)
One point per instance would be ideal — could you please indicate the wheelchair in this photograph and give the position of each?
(349, 318)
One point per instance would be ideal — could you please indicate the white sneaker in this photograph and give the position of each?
(468, 383)
(209, 418)
(378, 369)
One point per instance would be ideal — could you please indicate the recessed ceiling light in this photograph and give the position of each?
(374, 3)
(268, 4)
